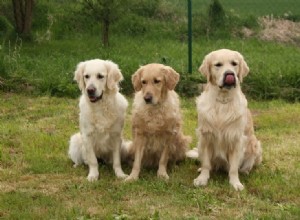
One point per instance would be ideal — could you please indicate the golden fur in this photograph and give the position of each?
(156, 120)
(102, 114)
(225, 127)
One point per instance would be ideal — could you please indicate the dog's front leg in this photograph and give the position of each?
(205, 158)
(163, 163)
(234, 162)
(139, 144)
(90, 158)
(116, 142)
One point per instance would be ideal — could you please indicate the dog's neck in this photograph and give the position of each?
(224, 96)
(224, 99)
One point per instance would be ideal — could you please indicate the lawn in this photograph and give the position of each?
(37, 180)
(253, 7)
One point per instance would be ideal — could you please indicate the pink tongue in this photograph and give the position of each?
(229, 79)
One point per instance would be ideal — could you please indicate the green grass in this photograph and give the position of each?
(254, 7)
(38, 70)
(37, 179)
(245, 7)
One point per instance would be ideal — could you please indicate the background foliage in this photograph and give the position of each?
(143, 31)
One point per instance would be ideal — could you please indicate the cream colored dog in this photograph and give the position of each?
(102, 113)
(225, 127)
(156, 120)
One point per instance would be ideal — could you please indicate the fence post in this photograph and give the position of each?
(189, 36)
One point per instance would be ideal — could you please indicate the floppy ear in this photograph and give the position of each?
(136, 79)
(244, 69)
(114, 75)
(204, 68)
(171, 76)
(78, 75)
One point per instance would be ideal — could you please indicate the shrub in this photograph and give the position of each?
(6, 29)
(190, 85)
(2, 65)
(145, 8)
(132, 24)
(216, 15)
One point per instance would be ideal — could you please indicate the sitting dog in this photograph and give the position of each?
(102, 113)
(156, 120)
(225, 126)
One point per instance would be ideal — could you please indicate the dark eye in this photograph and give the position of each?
(156, 81)
(233, 63)
(99, 76)
(87, 76)
(144, 82)
(218, 64)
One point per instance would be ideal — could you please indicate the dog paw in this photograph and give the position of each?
(131, 178)
(121, 175)
(200, 181)
(163, 175)
(93, 175)
(237, 185)
(92, 178)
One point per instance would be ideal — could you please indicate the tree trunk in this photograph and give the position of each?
(17, 5)
(28, 16)
(23, 11)
(105, 34)
(106, 21)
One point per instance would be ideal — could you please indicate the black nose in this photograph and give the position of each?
(148, 98)
(91, 91)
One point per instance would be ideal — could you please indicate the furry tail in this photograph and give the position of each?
(193, 153)
(75, 147)
(253, 157)
(258, 159)
(126, 151)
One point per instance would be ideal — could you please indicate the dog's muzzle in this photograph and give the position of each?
(229, 80)
(148, 98)
(91, 92)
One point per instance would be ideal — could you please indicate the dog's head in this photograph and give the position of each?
(96, 77)
(154, 80)
(224, 68)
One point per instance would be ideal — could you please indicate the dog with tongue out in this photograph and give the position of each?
(224, 69)
(229, 80)
(225, 127)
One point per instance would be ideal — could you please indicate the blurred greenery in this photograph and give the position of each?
(147, 31)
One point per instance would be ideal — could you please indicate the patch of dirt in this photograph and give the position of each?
(279, 30)
(42, 183)
(247, 32)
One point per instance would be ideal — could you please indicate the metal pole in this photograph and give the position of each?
(189, 36)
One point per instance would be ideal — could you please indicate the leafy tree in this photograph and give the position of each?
(106, 12)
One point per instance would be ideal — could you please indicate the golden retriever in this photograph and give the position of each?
(156, 120)
(102, 113)
(225, 126)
